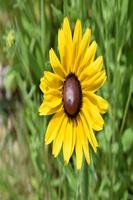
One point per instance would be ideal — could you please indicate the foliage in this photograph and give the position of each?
(27, 168)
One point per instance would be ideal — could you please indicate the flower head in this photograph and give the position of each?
(69, 94)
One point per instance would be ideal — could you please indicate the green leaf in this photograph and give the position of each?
(124, 10)
(57, 13)
(9, 80)
(127, 139)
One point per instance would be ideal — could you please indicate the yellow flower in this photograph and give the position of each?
(69, 94)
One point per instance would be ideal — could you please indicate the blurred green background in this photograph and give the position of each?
(28, 28)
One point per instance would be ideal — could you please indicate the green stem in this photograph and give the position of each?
(127, 105)
(78, 186)
(65, 7)
(42, 27)
(85, 182)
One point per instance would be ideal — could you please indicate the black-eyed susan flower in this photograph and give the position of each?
(69, 94)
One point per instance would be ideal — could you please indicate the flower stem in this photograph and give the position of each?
(85, 182)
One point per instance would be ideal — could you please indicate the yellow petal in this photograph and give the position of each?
(73, 136)
(94, 83)
(92, 69)
(92, 51)
(48, 108)
(51, 99)
(61, 47)
(85, 41)
(67, 144)
(53, 92)
(78, 149)
(88, 57)
(84, 140)
(90, 54)
(76, 41)
(85, 118)
(92, 112)
(101, 103)
(57, 144)
(65, 45)
(68, 45)
(55, 63)
(43, 86)
(82, 48)
(53, 80)
(77, 36)
(65, 50)
(54, 127)
(67, 30)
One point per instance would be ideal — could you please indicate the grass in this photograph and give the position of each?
(27, 168)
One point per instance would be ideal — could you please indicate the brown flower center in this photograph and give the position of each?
(72, 95)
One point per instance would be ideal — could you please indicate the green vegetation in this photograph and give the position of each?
(28, 29)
